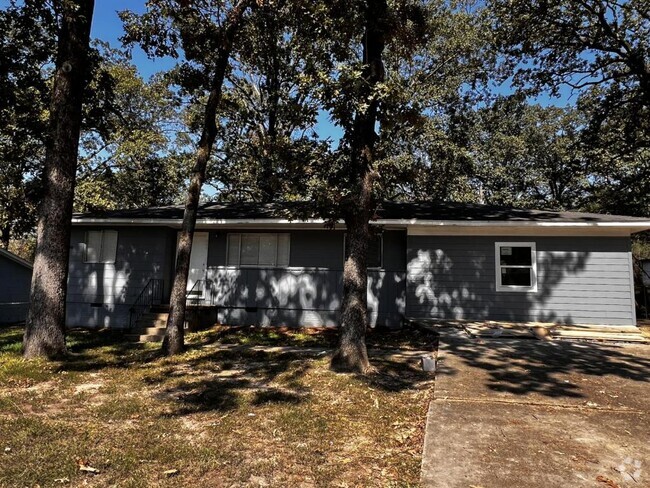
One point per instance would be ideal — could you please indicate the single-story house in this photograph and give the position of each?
(251, 264)
(15, 283)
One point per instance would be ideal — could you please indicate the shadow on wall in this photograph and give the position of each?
(450, 279)
(101, 294)
(300, 297)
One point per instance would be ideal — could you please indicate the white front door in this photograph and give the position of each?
(198, 262)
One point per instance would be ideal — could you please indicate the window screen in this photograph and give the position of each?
(259, 249)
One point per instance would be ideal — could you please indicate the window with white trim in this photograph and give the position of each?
(516, 266)
(258, 249)
(375, 251)
(100, 246)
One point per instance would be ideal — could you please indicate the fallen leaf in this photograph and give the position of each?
(63, 481)
(85, 467)
(171, 472)
(607, 481)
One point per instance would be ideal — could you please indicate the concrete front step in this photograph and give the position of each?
(146, 337)
(154, 316)
(150, 326)
(143, 330)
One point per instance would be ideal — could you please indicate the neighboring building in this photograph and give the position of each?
(250, 264)
(15, 281)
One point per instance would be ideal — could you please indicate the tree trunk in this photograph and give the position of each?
(45, 328)
(174, 342)
(351, 354)
(267, 182)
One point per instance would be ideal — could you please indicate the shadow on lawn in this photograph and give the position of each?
(225, 377)
(95, 350)
(527, 366)
(219, 381)
(209, 378)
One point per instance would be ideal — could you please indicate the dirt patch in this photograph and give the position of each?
(87, 388)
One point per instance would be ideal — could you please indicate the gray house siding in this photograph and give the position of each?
(100, 295)
(15, 281)
(309, 292)
(581, 280)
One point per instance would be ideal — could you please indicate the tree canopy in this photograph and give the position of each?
(600, 49)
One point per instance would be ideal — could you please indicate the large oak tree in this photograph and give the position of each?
(392, 67)
(45, 328)
(204, 33)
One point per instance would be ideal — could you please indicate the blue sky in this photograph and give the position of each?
(107, 26)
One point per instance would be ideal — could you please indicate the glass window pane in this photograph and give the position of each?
(516, 276)
(93, 246)
(515, 255)
(233, 249)
(283, 250)
(268, 249)
(250, 249)
(109, 246)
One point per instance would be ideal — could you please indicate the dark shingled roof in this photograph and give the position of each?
(387, 210)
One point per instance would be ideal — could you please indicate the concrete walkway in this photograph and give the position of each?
(527, 413)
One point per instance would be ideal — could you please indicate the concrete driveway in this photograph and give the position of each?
(527, 413)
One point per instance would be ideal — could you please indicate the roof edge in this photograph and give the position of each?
(15, 258)
(640, 224)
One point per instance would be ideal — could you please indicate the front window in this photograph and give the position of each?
(100, 246)
(258, 249)
(516, 266)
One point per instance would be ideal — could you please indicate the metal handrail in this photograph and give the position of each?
(150, 295)
(191, 291)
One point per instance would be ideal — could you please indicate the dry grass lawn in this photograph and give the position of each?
(217, 416)
(644, 325)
